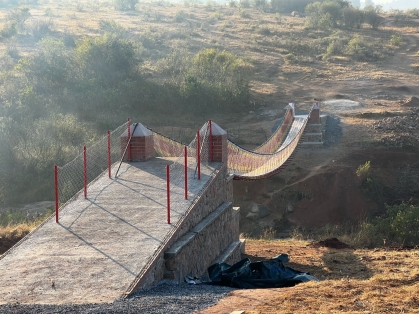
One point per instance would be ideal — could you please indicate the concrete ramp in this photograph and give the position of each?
(102, 244)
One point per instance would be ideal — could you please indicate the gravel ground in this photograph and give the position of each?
(164, 298)
(333, 130)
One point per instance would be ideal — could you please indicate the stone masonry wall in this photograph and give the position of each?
(203, 245)
(217, 192)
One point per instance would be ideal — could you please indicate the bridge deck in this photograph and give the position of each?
(101, 243)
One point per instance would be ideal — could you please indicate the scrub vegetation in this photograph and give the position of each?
(69, 71)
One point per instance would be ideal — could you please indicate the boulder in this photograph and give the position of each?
(257, 211)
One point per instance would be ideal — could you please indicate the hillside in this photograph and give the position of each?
(63, 84)
(58, 75)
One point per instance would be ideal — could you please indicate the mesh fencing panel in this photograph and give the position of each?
(71, 175)
(272, 144)
(250, 165)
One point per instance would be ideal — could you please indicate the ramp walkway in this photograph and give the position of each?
(102, 243)
(117, 238)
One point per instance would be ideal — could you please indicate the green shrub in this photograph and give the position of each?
(244, 14)
(287, 6)
(19, 16)
(372, 17)
(244, 4)
(108, 58)
(69, 41)
(324, 15)
(111, 27)
(364, 171)
(41, 28)
(261, 5)
(396, 40)
(264, 31)
(8, 30)
(215, 78)
(359, 49)
(180, 16)
(125, 5)
(352, 17)
(291, 58)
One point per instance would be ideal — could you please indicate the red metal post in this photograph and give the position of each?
(109, 154)
(198, 152)
(186, 173)
(85, 171)
(210, 125)
(168, 192)
(128, 139)
(56, 192)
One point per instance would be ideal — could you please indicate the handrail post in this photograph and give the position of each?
(210, 125)
(128, 138)
(56, 192)
(186, 172)
(198, 152)
(85, 171)
(168, 192)
(109, 154)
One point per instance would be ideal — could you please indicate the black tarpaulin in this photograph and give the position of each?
(264, 274)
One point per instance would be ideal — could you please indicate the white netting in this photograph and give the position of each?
(249, 165)
(71, 175)
(277, 137)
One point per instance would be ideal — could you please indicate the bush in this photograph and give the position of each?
(19, 16)
(364, 171)
(214, 79)
(109, 59)
(232, 3)
(359, 49)
(261, 5)
(371, 17)
(8, 30)
(113, 28)
(324, 15)
(396, 40)
(125, 5)
(41, 28)
(180, 16)
(352, 17)
(287, 6)
(244, 14)
(244, 4)
(291, 58)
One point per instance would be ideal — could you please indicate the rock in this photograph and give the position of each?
(252, 216)
(411, 102)
(296, 14)
(257, 211)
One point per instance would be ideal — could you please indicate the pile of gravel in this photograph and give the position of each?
(164, 298)
(399, 130)
(333, 130)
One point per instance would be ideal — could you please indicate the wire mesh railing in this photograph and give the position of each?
(278, 136)
(249, 165)
(73, 177)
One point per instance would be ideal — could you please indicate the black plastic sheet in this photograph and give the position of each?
(264, 274)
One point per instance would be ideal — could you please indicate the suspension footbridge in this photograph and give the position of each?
(138, 207)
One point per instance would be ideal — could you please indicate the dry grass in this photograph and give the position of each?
(16, 231)
(352, 281)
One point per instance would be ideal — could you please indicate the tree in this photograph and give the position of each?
(352, 17)
(371, 17)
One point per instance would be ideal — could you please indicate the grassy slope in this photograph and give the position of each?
(352, 281)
